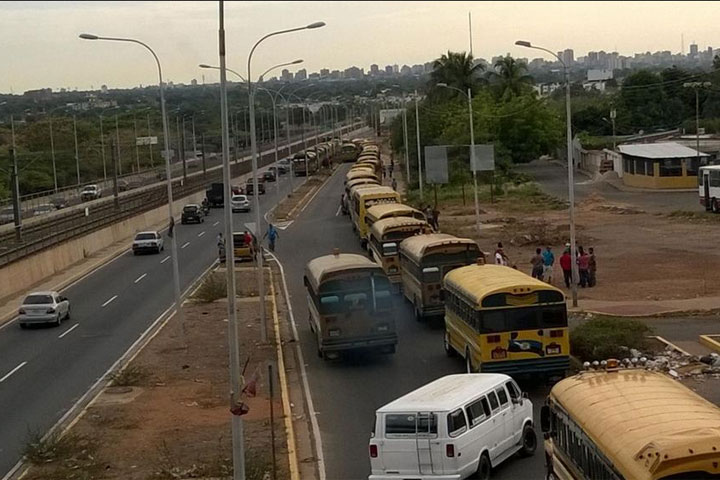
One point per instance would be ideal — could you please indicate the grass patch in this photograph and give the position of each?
(130, 376)
(695, 216)
(70, 457)
(608, 337)
(214, 287)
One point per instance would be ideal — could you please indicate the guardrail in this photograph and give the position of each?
(104, 212)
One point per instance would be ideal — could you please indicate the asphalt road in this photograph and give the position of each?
(347, 393)
(552, 178)
(44, 371)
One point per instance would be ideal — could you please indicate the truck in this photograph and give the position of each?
(215, 194)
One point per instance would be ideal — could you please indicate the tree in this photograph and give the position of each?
(510, 77)
(456, 69)
(643, 97)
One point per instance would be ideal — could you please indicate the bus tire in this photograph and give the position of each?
(449, 350)
(484, 468)
(528, 441)
(714, 205)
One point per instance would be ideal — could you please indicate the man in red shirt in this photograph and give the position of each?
(566, 265)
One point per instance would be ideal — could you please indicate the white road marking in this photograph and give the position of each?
(165, 259)
(201, 234)
(216, 223)
(185, 245)
(338, 210)
(12, 371)
(140, 277)
(109, 301)
(68, 330)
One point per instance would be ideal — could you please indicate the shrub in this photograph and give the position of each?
(130, 376)
(213, 288)
(608, 337)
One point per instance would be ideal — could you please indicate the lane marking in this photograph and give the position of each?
(109, 301)
(185, 245)
(12, 371)
(216, 223)
(140, 277)
(68, 330)
(201, 233)
(165, 259)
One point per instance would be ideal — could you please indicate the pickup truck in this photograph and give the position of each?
(90, 192)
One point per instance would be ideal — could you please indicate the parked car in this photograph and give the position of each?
(90, 192)
(249, 186)
(43, 307)
(150, 241)
(44, 209)
(123, 185)
(283, 166)
(7, 215)
(240, 203)
(59, 202)
(269, 175)
(192, 212)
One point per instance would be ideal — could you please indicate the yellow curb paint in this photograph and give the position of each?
(709, 340)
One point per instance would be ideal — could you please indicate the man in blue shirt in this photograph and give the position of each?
(548, 263)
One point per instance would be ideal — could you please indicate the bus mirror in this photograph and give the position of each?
(545, 419)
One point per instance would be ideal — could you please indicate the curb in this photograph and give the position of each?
(671, 345)
(663, 313)
(710, 342)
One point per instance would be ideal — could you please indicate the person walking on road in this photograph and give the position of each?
(500, 257)
(220, 240)
(582, 261)
(592, 267)
(394, 184)
(537, 264)
(566, 265)
(548, 264)
(271, 235)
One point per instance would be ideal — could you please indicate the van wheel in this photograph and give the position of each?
(449, 350)
(529, 442)
(714, 206)
(484, 468)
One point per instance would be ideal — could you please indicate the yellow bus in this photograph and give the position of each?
(629, 423)
(387, 210)
(385, 236)
(504, 321)
(364, 173)
(424, 261)
(350, 305)
(370, 162)
(364, 198)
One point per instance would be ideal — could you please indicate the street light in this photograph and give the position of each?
(171, 220)
(472, 149)
(571, 164)
(697, 86)
(253, 149)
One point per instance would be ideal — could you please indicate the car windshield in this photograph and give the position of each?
(37, 300)
(145, 236)
(190, 209)
(239, 198)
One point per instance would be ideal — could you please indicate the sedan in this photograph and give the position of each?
(44, 307)
(150, 241)
(240, 203)
(269, 176)
(44, 208)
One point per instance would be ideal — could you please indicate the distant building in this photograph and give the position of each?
(354, 72)
(395, 69)
(660, 165)
(324, 72)
(301, 74)
(428, 67)
(194, 82)
(545, 89)
(335, 74)
(568, 56)
(405, 70)
(314, 75)
(388, 70)
(693, 50)
(536, 63)
(103, 88)
(417, 69)
(374, 70)
(597, 78)
(285, 75)
(41, 94)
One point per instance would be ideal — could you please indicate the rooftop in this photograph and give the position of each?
(659, 150)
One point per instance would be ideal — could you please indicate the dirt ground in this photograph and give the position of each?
(640, 256)
(169, 417)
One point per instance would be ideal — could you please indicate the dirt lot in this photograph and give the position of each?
(167, 416)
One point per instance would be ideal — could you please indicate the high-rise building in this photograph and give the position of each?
(324, 72)
(417, 69)
(354, 72)
(193, 82)
(285, 75)
(374, 70)
(693, 49)
(568, 56)
(388, 69)
(405, 70)
(396, 69)
(301, 74)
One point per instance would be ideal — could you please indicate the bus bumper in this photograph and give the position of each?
(545, 366)
(358, 343)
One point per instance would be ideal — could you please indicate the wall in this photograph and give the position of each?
(658, 182)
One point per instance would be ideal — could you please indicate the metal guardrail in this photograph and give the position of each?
(104, 212)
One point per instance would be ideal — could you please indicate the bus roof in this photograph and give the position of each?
(384, 210)
(634, 415)
(318, 269)
(478, 281)
(382, 226)
(377, 191)
(710, 167)
(416, 247)
(444, 394)
(353, 174)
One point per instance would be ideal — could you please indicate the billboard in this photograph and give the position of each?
(389, 114)
(484, 158)
(436, 165)
(146, 140)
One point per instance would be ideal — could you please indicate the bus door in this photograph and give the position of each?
(706, 188)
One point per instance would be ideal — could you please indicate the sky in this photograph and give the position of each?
(41, 48)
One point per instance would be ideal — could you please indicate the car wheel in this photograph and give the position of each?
(484, 468)
(58, 320)
(158, 250)
(135, 252)
(67, 315)
(529, 442)
(449, 350)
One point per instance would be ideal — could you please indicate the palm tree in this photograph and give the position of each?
(510, 77)
(457, 69)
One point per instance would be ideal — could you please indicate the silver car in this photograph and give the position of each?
(44, 307)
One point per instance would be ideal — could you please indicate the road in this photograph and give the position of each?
(346, 394)
(44, 371)
(553, 180)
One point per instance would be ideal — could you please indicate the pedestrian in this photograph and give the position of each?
(428, 213)
(537, 264)
(566, 265)
(500, 257)
(435, 216)
(592, 268)
(220, 240)
(383, 172)
(271, 235)
(548, 264)
(582, 261)
(394, 184)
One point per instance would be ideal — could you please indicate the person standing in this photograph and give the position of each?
(500, 257)
(592, 267)
(435, 216)
(582, 261)
(271, 235)
(566, 265)
(537, 264)
(548, 264)
(394, 184)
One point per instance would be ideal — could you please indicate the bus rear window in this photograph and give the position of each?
(389, 249)
(410, 424)
(523, 318)
(431, 275)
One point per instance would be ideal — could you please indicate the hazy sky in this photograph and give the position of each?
(40, 45)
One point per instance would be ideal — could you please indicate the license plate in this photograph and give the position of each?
(552, 350)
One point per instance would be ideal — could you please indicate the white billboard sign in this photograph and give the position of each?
(146, 141)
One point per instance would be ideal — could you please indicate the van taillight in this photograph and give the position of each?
(450, 450)
(556, 333)
(373, 451)
(493, 339)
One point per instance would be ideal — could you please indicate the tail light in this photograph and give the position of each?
(493, 339)
(499, 353)
(556, 333)
(450, 450)
(22, 311)
(373, 451)
(50, 310)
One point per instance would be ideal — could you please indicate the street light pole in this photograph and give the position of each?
(137, 151)
(117, 137)
(17, 211)
(77, 155)
(697, 86)
(419, 154)
(152, 163)
(102, 149)
(52, 153)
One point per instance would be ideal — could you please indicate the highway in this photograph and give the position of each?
(44, 371)
(347, 393)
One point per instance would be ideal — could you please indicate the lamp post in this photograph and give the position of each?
(472, 149)
(697, 86)
(253, 149)
(171, 220)
(571, 165)
(419, 154)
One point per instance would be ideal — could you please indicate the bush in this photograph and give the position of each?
(213, 288)
(56, 447)
(608, 337)
(130, 376)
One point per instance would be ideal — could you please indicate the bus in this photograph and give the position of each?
(353, 184)
(424, 261)
(348, 152)
(709, 187)
(350, 305)
(304, 163)
(355, 174)
(370, 162)
(385, 236)
(501, 320)
(364, 198)
(612, 423)
(387, 210)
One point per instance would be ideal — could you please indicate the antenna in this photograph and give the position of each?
(682, 43)
(470, 31)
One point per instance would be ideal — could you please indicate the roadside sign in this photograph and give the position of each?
(436, 164)
(484, 158)
(146, 141)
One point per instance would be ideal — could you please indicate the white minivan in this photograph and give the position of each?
(452, 428)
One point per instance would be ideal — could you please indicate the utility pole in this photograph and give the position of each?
(202, 147)
(194, 139)
(117, 136)
(77, 155)
(114, 161)
(613, 114)
(102, 150)
(17, 211)
(137, 150)
(52, 153)
(152, 163)
(182, 151)
(419, 153)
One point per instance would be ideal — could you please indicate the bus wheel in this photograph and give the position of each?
(714, 206)
(529, 442)
(449, 350)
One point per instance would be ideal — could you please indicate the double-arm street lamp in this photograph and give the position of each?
(570, 162)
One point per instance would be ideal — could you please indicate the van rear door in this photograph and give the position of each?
(410, 444)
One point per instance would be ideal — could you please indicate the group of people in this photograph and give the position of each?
(432, 215)
(543, 263)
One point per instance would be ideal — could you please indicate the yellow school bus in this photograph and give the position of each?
(350, 305)
(612, 423)
(388, 210)
(363, 173)
(504, 321)
(385, 237)
(364, 198)
(370, 162)
(424, 261)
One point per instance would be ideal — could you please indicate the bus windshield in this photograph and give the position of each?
(347, 295)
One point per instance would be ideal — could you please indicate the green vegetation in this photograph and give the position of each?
(67, 457)
(608, 337)
(130, 376)
(214, 287)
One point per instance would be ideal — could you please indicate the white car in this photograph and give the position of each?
(148, 242)
(90, 192)
(240, 203)
(44, 307)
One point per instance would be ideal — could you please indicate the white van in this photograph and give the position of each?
(452, 428)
